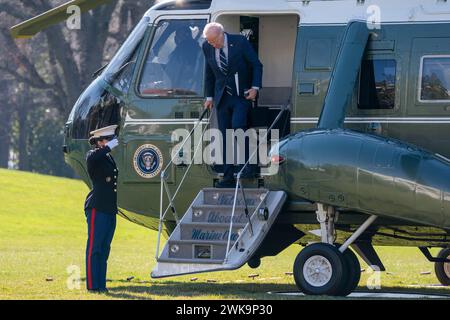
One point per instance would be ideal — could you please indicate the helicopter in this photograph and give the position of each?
(359, 92)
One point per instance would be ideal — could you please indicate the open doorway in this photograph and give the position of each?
(274, 39)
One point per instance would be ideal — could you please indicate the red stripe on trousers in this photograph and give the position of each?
(91, 241)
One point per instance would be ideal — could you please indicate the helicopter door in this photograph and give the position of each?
(276, 53)
(168, 95)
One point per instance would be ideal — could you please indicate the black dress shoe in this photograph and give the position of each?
(226, 183)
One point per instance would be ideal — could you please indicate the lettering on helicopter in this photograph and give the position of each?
(148, 161)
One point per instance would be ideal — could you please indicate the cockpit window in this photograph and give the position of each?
(126, 51)
(435, 80)
(122, 80)
(175, 64)
(96, 108)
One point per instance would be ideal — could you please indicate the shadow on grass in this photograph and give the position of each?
(436, 289)
(244, 291)
(172, 290)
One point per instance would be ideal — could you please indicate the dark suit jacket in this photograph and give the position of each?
(103, 172)
(241, 59)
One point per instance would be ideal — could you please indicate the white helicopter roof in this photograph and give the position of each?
(324, 11)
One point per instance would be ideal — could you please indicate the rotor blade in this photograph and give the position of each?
(33, 26)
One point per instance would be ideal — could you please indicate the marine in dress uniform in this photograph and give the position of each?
(100, 206)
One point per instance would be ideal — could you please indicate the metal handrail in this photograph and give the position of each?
(238, 185)
(246, 209)
(251, 217)
(172, 205)
(165, 187)
(199, 121)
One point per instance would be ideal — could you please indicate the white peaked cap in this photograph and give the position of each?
(104, 132)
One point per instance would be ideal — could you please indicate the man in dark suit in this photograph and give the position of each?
(233, 78)
(100, 206)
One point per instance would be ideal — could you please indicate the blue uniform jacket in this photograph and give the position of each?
(241, 59)
(103, 172)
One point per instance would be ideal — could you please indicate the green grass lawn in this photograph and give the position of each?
(43, 233)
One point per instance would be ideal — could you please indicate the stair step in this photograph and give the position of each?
(214, 224)
(209, 231)
(211, 242)
(203, 250)
(200, 245)
(220, 213)
(192, 261)
(215, 196)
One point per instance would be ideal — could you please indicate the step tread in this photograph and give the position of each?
(221, 206)
(191, 261)
(233, 190)
(201, 242)
(211, 224)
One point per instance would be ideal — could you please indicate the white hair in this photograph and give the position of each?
(213, 26)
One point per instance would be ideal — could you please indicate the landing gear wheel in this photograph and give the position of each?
(319, 269)
(442, 269)
(353, 269)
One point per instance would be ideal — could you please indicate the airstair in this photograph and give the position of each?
(221, 229)
(218, 233)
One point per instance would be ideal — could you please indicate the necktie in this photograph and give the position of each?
(224, 69)
(223, 61)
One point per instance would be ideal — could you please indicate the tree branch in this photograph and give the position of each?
(21, 62)
(13, 11)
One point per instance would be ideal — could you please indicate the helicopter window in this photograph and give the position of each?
(96, 108)
(175, 63)
(126, 51)
(435, 79)
(377, 84)
(122, 80)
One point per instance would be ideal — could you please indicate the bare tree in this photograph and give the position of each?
(73, 55)
(6, 114)
(57, 64)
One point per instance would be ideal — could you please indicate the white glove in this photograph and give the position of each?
(113, 143)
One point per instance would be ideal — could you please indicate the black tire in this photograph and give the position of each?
(332, 258)
(254, 263)
(442, 269)
(353, 269)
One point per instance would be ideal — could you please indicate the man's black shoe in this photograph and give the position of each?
(226, 183)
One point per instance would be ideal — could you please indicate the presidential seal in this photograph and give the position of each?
(148, 161)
